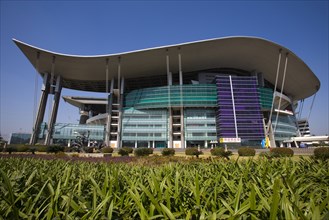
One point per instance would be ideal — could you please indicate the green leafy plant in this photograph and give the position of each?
(130, 150)
(123, 152)
(321, 153)
(281, 152)
(193, 151)
(55, 149)
(41, 148)
(189, 189)
(220, 152)
(168, 152)
(107, 150)
(143, 151)
(246, 151)
(32, 150)
(10, 149)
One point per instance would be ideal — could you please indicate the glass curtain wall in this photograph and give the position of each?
(144, 125)
(200, 124)
(65, 131)
(172, 96)
(239, 105)
(286, 127)
(265, 97)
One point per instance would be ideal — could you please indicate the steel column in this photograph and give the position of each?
(233, 106)
(273, 98)
(169, 79)
(41, 109)
(54, 110)
(282, 87)
(120, 102)
(182, 134)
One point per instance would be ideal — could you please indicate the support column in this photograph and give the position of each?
(120, 101)
(109, 105)
(169, 75)
(233, 103)
(182, 133)
(54, 110)
(180, 69)
(170, 144)
(109, 113)
(41, 109)
(282, 87)
(169, 80)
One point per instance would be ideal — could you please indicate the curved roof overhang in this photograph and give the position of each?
(82, 101)
(247, 53)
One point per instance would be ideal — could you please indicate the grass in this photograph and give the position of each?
(159, 187)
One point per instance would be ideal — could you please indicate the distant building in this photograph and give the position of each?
(177, 96)
(19, 138)
(304, 127)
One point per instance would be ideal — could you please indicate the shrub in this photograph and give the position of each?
(32, 150)
(89, 150)
(123, 151)
(128, 149)
(41, 148)
(10, 149)
(55, 149)
(220, 152)
(321, 153)
(107, 150)
(281, 152)
(246, 151)
(143, 151)
(193, 151)
(168, 152)
(22, 148)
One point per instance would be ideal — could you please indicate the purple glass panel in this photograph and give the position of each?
(247, 108)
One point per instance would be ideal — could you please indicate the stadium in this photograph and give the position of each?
(239, 90)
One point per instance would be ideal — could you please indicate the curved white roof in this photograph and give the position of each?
(247, 53)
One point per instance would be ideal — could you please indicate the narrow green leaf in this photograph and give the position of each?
(275, 199)
(167, 212)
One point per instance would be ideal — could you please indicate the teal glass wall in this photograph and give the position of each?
(71, 131)
(200, 124)
(19, 138)
(195, 95)
(265, 98)
(286, 127)
(145, 125)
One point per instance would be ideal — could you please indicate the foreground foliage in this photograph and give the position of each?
(199, 189)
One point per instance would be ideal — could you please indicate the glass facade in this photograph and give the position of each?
(145, 125)
(286, 127)
(172, 96)
(230, 107)
(200, 124)
(19, 138)
(265, 97)
(63, 131)
(239, 112)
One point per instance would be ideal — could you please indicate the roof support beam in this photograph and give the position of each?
(282, 87)
(273, 98)
(57, 90)
(41, 109)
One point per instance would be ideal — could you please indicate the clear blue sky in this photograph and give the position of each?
(101, 27)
